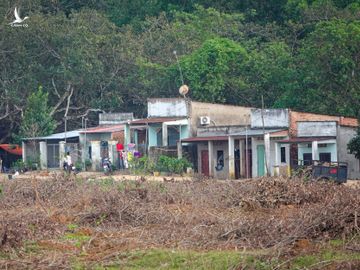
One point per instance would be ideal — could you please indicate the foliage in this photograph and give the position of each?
(354, 145)
(210, 69)
(37, 120)
(79, 166)
(88, 163)
(172, 164)
(19, 165)
(108, 55)
(142, 165)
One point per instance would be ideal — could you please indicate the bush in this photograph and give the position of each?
(18, 165)
(88, 164)
(79, 166)
(172, 165)
(142, 165)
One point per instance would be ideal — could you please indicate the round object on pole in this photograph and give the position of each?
(183, 90)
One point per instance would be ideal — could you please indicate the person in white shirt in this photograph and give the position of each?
(68, 161)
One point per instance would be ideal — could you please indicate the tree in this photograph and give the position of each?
(354, 145)
(37, 120)
(213, 70)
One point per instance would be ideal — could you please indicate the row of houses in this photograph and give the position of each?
(222, 141)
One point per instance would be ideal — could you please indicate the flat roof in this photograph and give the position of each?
(203, 139)
(306, 139)
(155, 120)
(256, 132)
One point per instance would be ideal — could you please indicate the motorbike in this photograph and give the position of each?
(70, 168)
(107, 167)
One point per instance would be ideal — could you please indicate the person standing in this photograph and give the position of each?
(68, 162)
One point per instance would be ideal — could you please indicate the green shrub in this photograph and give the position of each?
(79, 165)
(18, 165)
(172, 165)
(142, 165)
(88, 164)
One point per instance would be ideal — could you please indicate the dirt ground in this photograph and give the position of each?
(93, 221)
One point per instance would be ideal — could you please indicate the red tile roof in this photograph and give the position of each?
(104, 129)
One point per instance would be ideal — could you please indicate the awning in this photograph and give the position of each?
(12, 149)
(260, 132)
(306, 139)
(104, 129)
(155, 120)
(204, 139)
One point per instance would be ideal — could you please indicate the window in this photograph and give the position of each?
(322, 145)
(173, 136)
(220, 157)
(325, 157)
(307, 157)
(219, 160)
(283, 154)
(159, 137)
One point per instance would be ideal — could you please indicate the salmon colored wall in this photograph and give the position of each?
(301, 116)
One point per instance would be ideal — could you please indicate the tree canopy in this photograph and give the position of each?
(107, 55)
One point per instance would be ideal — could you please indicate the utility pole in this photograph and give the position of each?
(264, 137)
(86, 155)
(65, 129)
(246, 153)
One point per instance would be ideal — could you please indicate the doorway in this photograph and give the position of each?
(205, 162)
(261, 160)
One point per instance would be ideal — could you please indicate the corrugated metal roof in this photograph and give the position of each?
(58, 136)
(155, 120)
(204, 139)
(104, 129)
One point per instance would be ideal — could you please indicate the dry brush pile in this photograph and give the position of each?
(267, 213)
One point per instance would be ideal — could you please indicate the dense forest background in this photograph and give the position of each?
(111, 55)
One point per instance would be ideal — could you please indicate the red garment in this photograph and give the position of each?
(119, 147)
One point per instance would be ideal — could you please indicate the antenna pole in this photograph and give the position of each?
(178, 63)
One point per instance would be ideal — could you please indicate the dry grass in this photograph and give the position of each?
(97, 220)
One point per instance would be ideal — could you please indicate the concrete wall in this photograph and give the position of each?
(114, 118)
(303, 117)
(345, 134)
(32, 151)
(89, 138)
(272, 118)
(259, 141)
(330, 148)
(184, 132)
(167, 107)
(152, 133)
(217, 146)
(220, 115)
(218, 130)
(316, 129)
